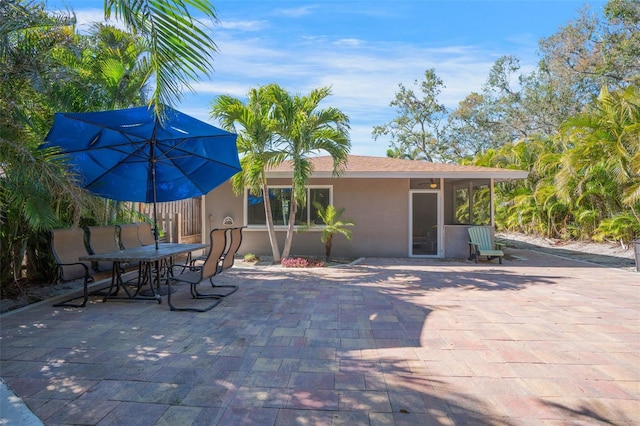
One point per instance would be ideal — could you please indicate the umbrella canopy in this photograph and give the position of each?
(117, 152)
(131, 155)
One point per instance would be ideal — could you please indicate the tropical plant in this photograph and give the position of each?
(250, 258)
(601, 164)
(584, 182)
(35, 190)
(118, 67)
(37, 194)
(303, 130)
(333, 224)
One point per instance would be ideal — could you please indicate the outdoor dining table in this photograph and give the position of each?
(151, 259)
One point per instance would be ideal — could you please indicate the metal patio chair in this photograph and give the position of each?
(67, 246)
(145, 234)
(194, 275)
(102, 239)
(233, 247)
(129, 236)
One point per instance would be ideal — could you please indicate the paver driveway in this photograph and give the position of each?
(537, 340)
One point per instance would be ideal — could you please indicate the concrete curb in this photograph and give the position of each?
(13, 410)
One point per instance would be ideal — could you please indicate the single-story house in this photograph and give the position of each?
(401, 208)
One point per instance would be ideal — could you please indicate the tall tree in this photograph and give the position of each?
(254, 124)
(592, 52)
(418, 129)
(304, 129)
(585, 55)
(512, 106)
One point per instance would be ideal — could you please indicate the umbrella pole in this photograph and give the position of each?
(153, 184)
(155, 218)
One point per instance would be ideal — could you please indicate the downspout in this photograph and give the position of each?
(491, 202)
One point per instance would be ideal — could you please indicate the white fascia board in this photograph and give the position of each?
(497, 175)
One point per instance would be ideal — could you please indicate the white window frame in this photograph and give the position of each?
(284, 227)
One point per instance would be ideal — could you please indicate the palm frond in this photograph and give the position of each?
(180, 48)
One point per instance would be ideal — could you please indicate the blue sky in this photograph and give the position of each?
(364, 49)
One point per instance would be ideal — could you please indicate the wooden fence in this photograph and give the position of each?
(179, 221)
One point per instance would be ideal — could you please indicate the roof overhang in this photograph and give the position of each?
(500, 175)
(363, 167)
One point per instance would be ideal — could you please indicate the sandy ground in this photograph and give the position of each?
(605, 254)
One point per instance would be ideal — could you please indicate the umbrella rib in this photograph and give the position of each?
(109, 147)
(176, 147)
(76, 117)
(134, 154)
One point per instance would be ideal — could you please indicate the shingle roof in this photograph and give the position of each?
(378, 167)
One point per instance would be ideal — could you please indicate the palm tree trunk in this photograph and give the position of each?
(275, 250)
(290, 230)
(327, 248)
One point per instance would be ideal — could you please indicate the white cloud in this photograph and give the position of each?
(294, 12)
(250, 26)
(348, 42)
(86, 17)
(221, 87)
(364, 75)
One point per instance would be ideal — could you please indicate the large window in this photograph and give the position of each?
(472, 202)
(280, 197)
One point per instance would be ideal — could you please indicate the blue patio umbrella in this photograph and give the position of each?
(131, 155)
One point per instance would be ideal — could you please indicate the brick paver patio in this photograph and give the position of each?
(539, 340)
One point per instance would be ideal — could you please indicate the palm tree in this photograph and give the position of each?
(331, 217)
(119, 68)
(180, 48)
(304, 130)
(253, 123)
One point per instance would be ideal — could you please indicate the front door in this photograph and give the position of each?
(424, 231)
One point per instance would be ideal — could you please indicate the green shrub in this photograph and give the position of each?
(250, 257)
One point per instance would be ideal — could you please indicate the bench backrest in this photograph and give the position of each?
(481, 237)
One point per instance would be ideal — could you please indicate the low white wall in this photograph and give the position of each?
(457, 241)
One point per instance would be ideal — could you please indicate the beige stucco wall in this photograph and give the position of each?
(379, 208)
